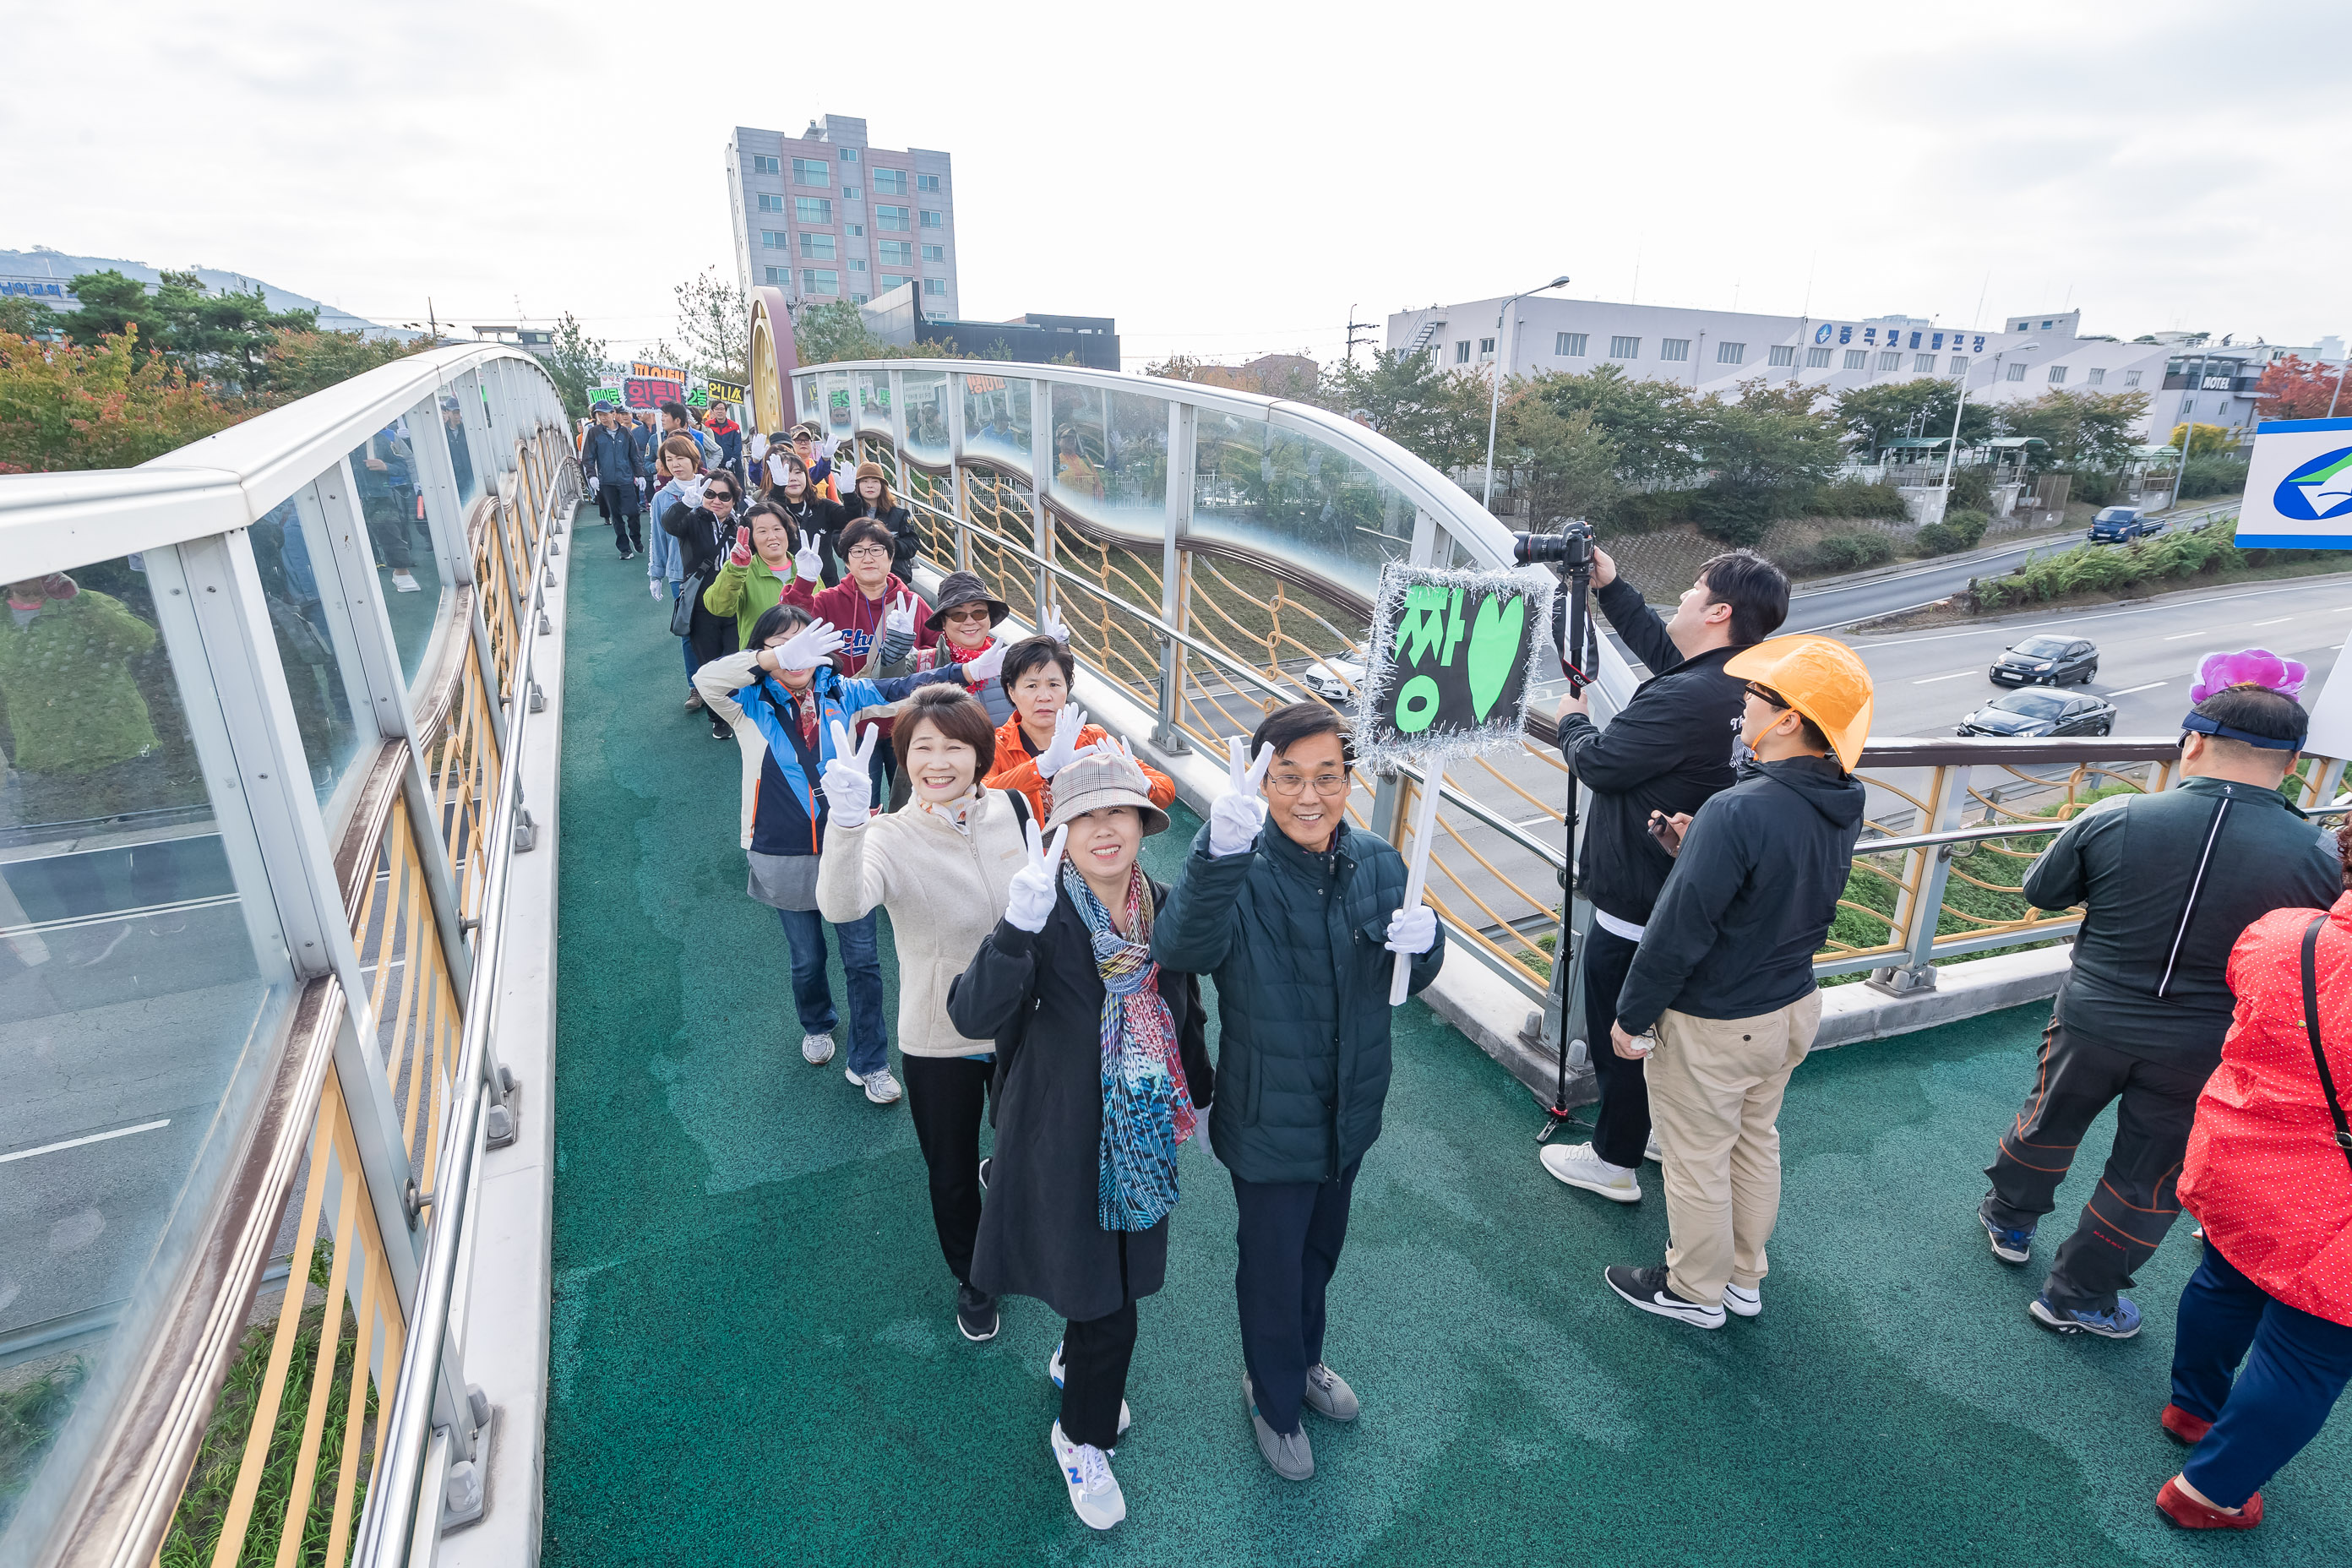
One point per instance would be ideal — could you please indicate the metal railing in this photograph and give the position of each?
(289, 1385)
(1204, 625)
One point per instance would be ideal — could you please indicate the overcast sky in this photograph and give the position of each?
(1230, 179)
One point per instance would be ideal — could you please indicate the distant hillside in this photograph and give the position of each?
(42, 264)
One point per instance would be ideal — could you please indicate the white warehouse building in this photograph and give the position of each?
(1715, 351)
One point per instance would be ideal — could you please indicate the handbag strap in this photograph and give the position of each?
(2311, 1027)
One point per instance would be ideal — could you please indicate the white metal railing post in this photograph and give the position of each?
(1926, 904)
(958, 501)
(1041, 469)
(1166, 734)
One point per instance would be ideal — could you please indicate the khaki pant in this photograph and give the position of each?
(1715, 1086)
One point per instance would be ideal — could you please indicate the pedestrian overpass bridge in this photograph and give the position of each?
(345, 1214)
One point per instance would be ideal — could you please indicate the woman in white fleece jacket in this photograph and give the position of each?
(942, 867)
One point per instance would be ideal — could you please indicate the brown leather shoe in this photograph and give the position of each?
(693, 702)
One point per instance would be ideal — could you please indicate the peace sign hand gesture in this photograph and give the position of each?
(900, 616)
(1030, 899)
(1063, 749)
(848, 785)
(808, 566)
(1238, 815)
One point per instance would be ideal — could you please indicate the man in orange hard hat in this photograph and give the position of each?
(1720, 997)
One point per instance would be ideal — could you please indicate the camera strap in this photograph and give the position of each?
(2311, 1027)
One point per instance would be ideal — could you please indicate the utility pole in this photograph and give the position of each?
(1354, 326)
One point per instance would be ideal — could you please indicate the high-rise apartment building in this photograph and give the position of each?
(824, 215)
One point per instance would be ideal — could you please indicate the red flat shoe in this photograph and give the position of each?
(2187, 1513)
(2182, 1427)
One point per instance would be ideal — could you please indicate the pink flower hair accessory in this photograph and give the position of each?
(2218, 672)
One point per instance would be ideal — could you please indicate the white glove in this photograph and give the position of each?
(1238, 815)
(808, 565)
(806, 648)
(654, 587)
(1410, 929)
(899, 630)
(641, 487)
(986, 667)
(1116, 749)
(1030, 898)
(849, 783)
(1063, 750)
(1053, 626)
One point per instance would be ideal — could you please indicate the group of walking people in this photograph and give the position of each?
(2210, 991)
(900, 754)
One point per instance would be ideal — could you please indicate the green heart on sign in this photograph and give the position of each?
(1495, 649)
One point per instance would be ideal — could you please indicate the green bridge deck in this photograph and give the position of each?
(754, 1358)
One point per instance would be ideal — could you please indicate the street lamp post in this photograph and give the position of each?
(1494, 402)
(1952, 450)
(2187, 429)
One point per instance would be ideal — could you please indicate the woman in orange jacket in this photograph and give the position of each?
(1046, 732)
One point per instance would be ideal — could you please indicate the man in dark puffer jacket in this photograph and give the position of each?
(1297, 919)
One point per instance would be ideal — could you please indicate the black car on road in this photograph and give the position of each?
(2045, 660)
(2121, 524)
(2026, 714)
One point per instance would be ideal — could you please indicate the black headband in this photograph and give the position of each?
(2214, 727)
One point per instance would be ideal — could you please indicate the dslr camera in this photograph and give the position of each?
(1570, 550)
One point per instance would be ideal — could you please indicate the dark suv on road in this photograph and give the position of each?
(2121, 524)
(2046, 661)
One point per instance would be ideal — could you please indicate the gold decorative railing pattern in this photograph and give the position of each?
(264, 1487)
(336, 1327)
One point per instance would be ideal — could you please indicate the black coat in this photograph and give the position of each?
(1040, 997)
(904, 543)
(1670, 749)
(702, 546)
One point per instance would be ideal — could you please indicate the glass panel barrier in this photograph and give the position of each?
(391, 502)
(132, 991)
(836, 406)
(1296, 497)
(926, 395)
(812, 400)
(873, 401)
(997, 419)
(1110, 459)
(298, 584)
(452, 419)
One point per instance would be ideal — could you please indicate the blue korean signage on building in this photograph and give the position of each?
(1895, 338)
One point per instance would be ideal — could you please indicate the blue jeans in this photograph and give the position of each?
(685, 645)
(861, 958)
(2295, 1365)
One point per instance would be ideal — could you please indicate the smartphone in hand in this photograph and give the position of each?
(1668, 830)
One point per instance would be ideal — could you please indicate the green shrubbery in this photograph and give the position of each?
(1959, 531)
(1851, 552)
(2090, 568)
(1849, 499)
(2212, 475)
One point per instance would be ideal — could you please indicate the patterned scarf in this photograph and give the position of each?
(1146, 1106)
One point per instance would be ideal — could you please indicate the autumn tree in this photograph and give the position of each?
(2083, 429)
(112, 405)
(2297, 388)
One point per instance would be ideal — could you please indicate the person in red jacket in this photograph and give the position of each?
(1046, 732)
(2264, 1338)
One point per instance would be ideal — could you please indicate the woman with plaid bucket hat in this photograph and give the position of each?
(1102, 1069)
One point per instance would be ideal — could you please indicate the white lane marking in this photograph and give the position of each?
(2173, 607)
(91, 1138)
(2177, 636)
(2127, 690)
(2281, 619)
(1933, 679)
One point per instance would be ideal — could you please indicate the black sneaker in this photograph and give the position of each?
(1648, 1289)
(975, 1314)
(721, 730)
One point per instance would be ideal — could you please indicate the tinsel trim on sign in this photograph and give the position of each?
(1501, 731)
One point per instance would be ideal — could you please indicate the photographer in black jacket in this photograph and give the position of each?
(1667, 753)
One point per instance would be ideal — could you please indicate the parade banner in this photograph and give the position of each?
(645, 371)
(639, 392)
(603, 397)
(733, 392)
(1454, 656)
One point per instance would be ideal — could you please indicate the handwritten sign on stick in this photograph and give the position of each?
(1453, 655)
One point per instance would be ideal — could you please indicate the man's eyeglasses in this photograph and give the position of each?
(1288, 785)
(1767, 696)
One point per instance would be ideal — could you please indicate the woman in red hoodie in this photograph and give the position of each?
(2264, 1341)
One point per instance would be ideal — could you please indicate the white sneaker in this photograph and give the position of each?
(816, 1049)
(1742, 1301)
(1652, 1153)
(405, 582)
(1054, 1371)
(1094, 1490)
(879, 1086)
(1579, 1166)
